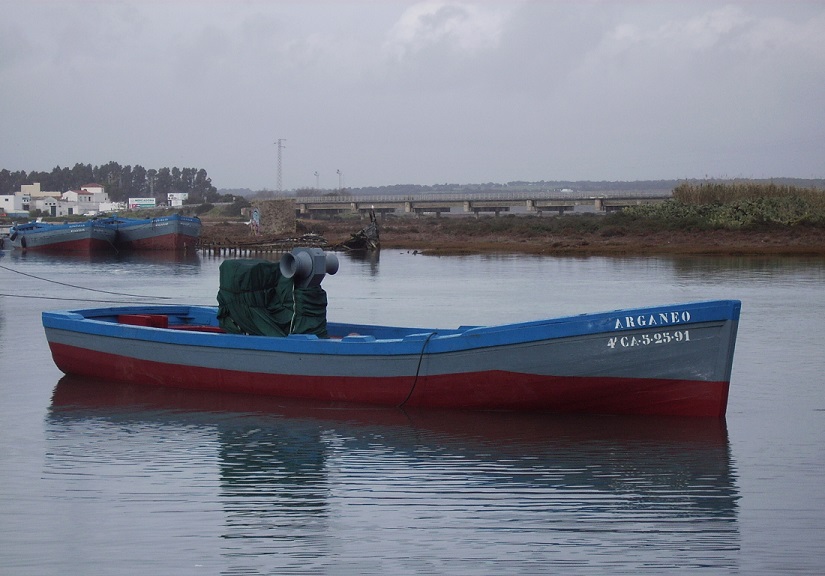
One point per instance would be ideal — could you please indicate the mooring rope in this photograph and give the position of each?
(141, 302)
(80, 287)
(418, 368)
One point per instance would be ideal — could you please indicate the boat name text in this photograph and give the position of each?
(646, 320)
(647, 339)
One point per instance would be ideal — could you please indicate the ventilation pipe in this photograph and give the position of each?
(308, 266)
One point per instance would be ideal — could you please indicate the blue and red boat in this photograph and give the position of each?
(114, 233)
(88, 236)
(173, 232)
(661, 360)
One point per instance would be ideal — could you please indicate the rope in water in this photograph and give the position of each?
(30, 297)
(78, 287)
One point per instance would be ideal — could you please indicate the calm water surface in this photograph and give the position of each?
(101, 478)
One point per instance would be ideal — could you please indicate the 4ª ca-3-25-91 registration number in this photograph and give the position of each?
(648, 339)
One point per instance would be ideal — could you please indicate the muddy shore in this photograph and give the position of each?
(434, 236)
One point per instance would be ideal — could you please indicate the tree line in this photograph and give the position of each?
(120, 182)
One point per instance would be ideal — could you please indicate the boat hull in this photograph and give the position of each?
(585, 364)
(173, 232)
(88, 236)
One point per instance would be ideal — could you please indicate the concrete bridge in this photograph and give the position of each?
(475, 203)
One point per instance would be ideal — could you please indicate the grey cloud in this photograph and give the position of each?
(417, 92)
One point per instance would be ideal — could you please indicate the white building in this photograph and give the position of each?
(57, 208)
(112, 207)
(89, 194)
(177, 198)
(19, 203)
(48, 206)
(96, 189)
(7, 203)
(88, 199)
(33, 192)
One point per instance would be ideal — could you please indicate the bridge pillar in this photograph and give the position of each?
(599, 203)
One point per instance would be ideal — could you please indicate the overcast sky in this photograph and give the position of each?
(397, 92)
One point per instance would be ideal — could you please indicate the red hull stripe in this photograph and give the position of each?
(79, 361)
(82, 245)
(579, 394)
(488, 390)
(174, 241)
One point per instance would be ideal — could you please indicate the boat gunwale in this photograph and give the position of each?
(126, 222)
(41, 227)
(103, 322)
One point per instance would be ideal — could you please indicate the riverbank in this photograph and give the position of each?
(451, 236)
(715, 242)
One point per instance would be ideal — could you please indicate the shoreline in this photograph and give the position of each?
(430, 237)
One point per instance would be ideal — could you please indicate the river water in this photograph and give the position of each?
(100, 478)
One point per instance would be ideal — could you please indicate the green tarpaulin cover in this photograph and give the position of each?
(255, 298)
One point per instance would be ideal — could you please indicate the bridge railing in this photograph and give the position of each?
(477, 196)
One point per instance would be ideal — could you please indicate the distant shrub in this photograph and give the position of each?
(734, 206)
(723, 193)
(203, 208)
(758, 212)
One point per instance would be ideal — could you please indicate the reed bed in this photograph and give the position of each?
(727, 192)
(739, 205)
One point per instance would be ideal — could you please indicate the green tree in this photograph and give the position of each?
(139, 186)
(120, 182)
(163, 183)
(151, 182)
(82, 174)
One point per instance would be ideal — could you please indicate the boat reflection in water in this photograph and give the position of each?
(301, 479)
(149, 257)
